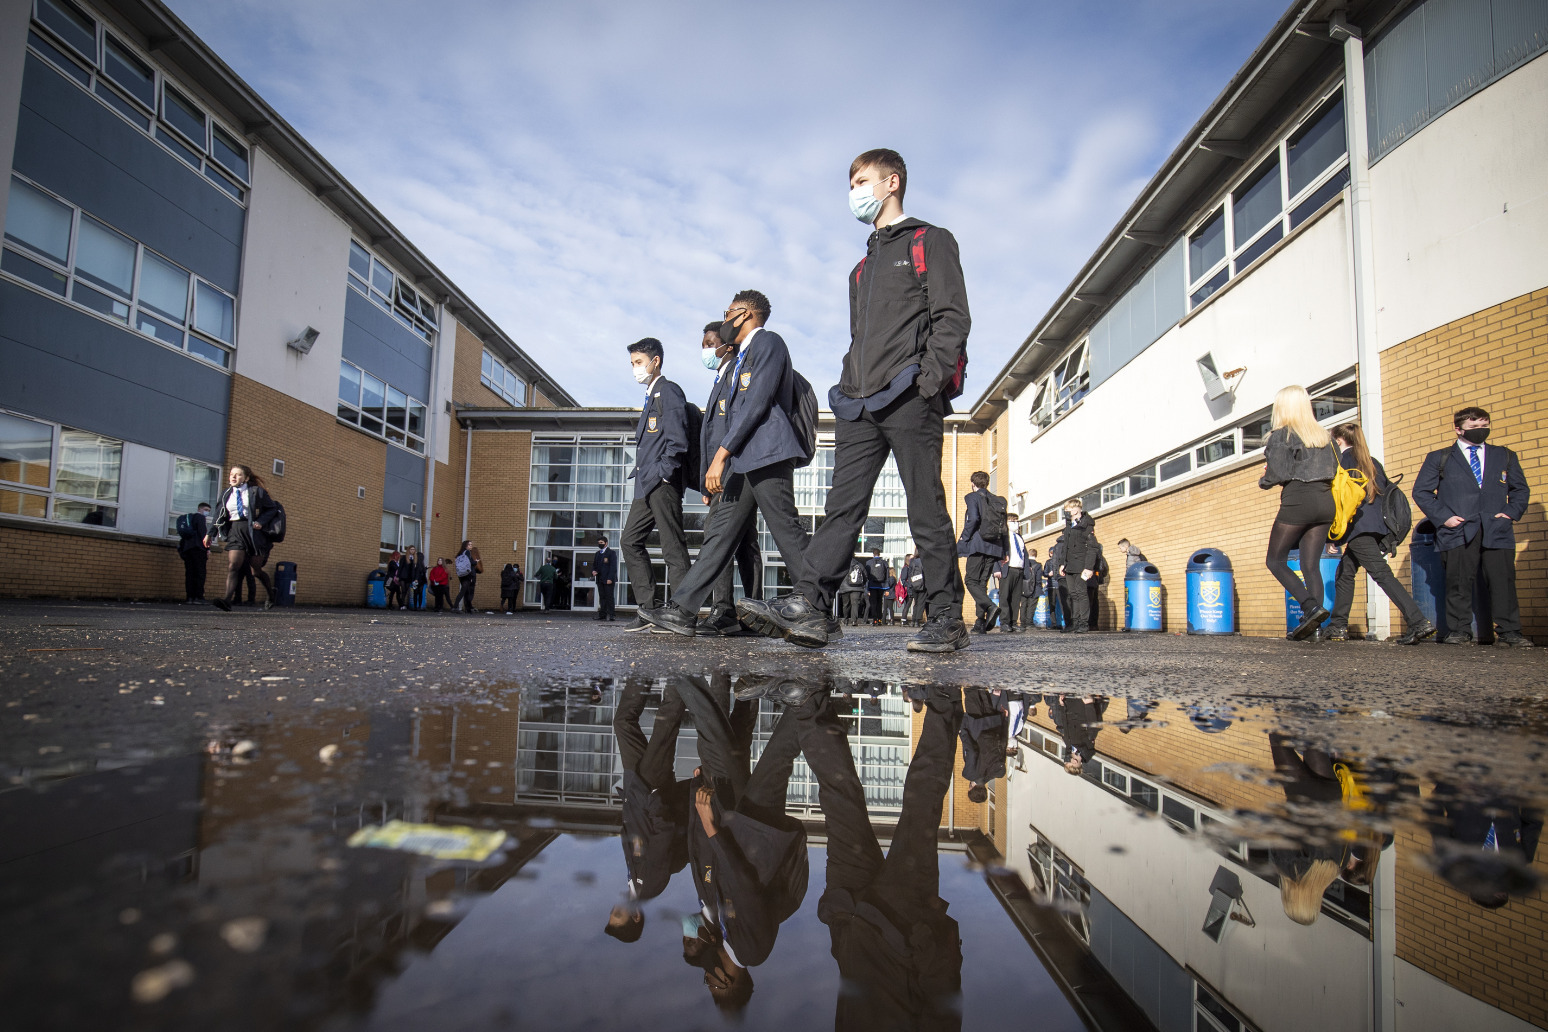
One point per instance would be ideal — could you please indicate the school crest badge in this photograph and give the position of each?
(1209, 592)
(722, 406)
(650, 424)
(746, 380)
(1155, 595)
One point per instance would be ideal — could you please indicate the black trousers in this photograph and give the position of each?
(1028, 610)
(916, 604)
(771, 490)
(873, 598)
(724, 734)
(816, 729)
(979, 569)
(661, 511)
(195, 561)
(749, 560)
(1010, 594)
(606, 594)
(652, 759)
(910, 429)
(1499, 569)
(1077, 610)
(464, 600)
(1093, 603)
(440, 593)
(1364, 550)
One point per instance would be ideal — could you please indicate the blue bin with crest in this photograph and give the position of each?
(1211, 593)
(1142, 597)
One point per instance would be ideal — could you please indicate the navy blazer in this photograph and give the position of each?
(971, 542)
(604, 565)
(655, 833)
(1456, 493)
(661, 439)
(763, 397)
(984, 734)
(717, 417)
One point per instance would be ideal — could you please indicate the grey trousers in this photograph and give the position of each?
(770, 490)
(662, 511)
(749, 560)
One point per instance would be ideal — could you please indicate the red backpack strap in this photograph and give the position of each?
(858, 270)
(916, 252)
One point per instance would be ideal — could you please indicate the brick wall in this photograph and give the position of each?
(53, 562)
(972, 453)
(497, 504)
(1496, 359)
(333, 535)
(467, 359)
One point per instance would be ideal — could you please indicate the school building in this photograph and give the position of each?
(1361, 211)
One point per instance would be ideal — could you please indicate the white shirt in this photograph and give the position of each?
(1468, 446)
(884, 225)
(245, 512)
(1018, 556)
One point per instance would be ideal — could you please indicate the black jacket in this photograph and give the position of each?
(508, 581)
(655, 833)
(850, 585)
(913, 575)
(876, 570)
(971, 541)
(1074, 717)
(262, 508)
(762, 402)
(661, 439)
(1456, 493)
(1288, 459)
(895, 320)
(194, 540)
(984, 734)
(1032, 579)
(1078, 548)
(604, 565)
(410, 571)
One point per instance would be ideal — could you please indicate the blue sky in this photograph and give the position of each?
(593, 173)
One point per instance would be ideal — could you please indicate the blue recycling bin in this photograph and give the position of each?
(1040, 612)
(1211, 593)
(284, 584)
(1329, 567)
(1142, 597)
(376, 589)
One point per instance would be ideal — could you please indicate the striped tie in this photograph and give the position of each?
(1472, 460)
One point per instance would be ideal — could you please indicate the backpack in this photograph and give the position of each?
(857, 574)
(464, 564)
(1348, 496)
(954, 385)
(274, 522)
(1396, 514)
(185, 527)
(991, 518)
(693, 469)
(804, 419)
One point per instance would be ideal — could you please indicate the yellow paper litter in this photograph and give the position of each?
(442, 842)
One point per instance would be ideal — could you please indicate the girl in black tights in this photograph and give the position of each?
(241, 516)
(1300, 455)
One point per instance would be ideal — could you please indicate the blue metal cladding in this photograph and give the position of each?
(1439, 53)
(1146, 311)
(68, 142)
(67, 366)
(384, 347)
(404, 491)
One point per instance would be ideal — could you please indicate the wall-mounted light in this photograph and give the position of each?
(1225, 904)
(303, 343)
(1215, 385)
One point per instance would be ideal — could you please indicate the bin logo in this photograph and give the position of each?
(1209, 593)
(1155, 595)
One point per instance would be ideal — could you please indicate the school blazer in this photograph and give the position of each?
(762, 400)
(1456, 493)
(661, 439)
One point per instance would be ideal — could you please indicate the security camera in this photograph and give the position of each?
(304, 342)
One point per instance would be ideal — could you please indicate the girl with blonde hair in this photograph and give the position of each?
(1300, 456)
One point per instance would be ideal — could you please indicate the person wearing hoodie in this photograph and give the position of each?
(1078, 564)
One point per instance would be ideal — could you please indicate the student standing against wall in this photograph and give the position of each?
(1078, 564)
(1015, 573)
(1300, 455)
(660, 449)
(191, 530)
(604, 572)
(1031, 587)
(469, 565)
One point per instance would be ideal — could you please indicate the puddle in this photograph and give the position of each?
(884, 855)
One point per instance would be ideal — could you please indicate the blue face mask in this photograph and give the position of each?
(709, 358)
(864, 204)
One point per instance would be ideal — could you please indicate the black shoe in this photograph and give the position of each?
(222, 605)
(639, 623)
(1457, 638)
(1514, 640)
(1081, 630)
(1336, 633)
(835, 631)
(780, 688)
(720, 622)
(940, 634)
(268, 604)
(978, 628)
(791, 617)
(671, 617)
(1309, 623)
(1008, 630)
(991, 616)
(1417, 633)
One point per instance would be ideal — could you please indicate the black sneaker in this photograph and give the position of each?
(1457, 638)
(990, 617)
(720, 622)
(1417, 633)
(835, 630)
(940, 634)
(1336, 633)
(222, 605)
(672, 617)
(781, 688)
(791, 616)
(1514, 640)
(639, 623)
(1309, 623)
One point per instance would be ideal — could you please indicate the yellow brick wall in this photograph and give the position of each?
(971, 453)
(333, 535)
(497, 504)
(467, 358)
(98, 566)
(446, 504)
(1496, 359)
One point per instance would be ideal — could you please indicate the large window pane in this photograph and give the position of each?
(1175, 467)
(164, 288)
(192, 483)
(230, 153)
(1206, 246)
(397, 408)
(381, 278)
(89, 513)
(72, 26)
(33, 272)
(183, 115)
(1274, 235)
(88, 466)
(34, 218)
(373, 399)
(97, 301)
(1256, 202)
(359, 260)
(209, 352)
(349, 384)
(1317, 144)
(26, 447)
(213, 312)
(104, 257)
(1144, 480)
(161, 330)
(416, 418)
(1320, 196)
(128, 71)
(21, 503)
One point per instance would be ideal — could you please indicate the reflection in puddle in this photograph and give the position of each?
(773, 852)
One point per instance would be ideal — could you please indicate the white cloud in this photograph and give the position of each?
(594, 173)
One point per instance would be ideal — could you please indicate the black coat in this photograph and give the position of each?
(262, 508)
(661, 439)
(876, 571)
(194, 540)
(1456, 493)
(971, 541)
(410, 571)
(1287, 459)
(1073, 716)
(604, 565)
(508, 581)
(984, 736)
(1078, 547)
(717, 416)
(763, 403)
(913, 576)
(1032, 579)
(655, 833)
(850, 585)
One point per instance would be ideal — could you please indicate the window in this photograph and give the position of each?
(398, 533)
(1175, 467)
(192, 483)
(1143, 480)
(1332, 402)
(1051, 518)
(380, 409)
(1303, 172)
(86, 480)
(133, 87)
(114, 276)
(1042, 406)
(1091, 501)
(1064, 385)
(1144, 795)
(1216, 450)
(26, 458)
(1113, 492)
(391, 292)
(494, 375)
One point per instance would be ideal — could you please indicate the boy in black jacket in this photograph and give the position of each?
(908, 319)
(753, 468)
(661, 448)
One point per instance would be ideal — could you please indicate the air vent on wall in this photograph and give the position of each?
(360, 492)
(279, 467)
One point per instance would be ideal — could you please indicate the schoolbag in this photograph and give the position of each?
(1348, 496)
(957, 382)
(856, 574)
(185, 528)
(804, 419)
(693, 469)
(1396, 514)
(992, 514)
(274, 522)
(464, 564)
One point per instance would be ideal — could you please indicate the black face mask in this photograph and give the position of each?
(728, 331)
(1476, 435)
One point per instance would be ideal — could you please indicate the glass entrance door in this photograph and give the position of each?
(583, 587)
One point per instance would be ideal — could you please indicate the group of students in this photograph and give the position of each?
(875, 592)
(407, 577)
(908, 330)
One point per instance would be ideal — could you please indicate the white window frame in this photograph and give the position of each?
(1055, 394)
(496, 375)
(52, 492)
(410, 442)
(405, 303)
(172, 511)
(99, 83)
(385, 553)
(191, 335)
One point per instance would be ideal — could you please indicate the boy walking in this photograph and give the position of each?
(660, 448)
(908, 319)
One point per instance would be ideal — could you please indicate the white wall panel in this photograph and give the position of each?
(293, 276)
(144, 489)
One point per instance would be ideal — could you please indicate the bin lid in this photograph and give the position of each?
(375, 575)
(1208, 559)
(1142, 570)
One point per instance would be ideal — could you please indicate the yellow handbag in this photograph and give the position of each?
(1348, 495)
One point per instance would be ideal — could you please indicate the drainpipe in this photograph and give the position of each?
(432, 419)
(467, 470)
(1378, 611)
